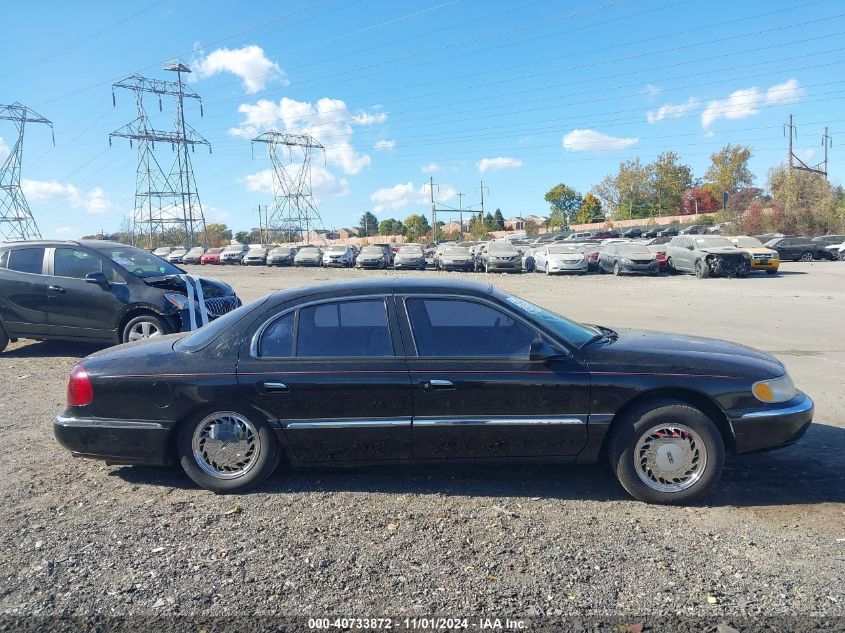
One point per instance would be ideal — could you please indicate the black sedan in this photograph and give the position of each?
(422, 370)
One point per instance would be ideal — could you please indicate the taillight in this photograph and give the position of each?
(79, 389)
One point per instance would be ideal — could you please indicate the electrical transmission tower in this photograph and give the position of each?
(294, 210)
(821, 168)
(16, 221)
(165, 199)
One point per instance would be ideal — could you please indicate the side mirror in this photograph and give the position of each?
(690, 247)
(97, 278)
(539, 350)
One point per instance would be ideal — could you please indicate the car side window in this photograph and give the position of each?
(344, 329)
(463, 328)
(76, 263)
(277, 339)
(26, 260)
(4, 258)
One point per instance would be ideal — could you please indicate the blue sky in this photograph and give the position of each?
(522, 93)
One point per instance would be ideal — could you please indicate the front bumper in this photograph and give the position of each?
(370, 264)
(410, 263)
(307, 262)
(116, 441)
(457, 265)
(775, 427)
(569, 267)
(639, 268)
(498, 266)
(340, 263)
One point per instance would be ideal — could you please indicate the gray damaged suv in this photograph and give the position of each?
(706, 256)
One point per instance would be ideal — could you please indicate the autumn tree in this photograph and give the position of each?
(590, 210)
(416, 226)
(669, 180)
(218, 234)
(564, 202)
(242, 237)
(728, 170)
(699, 200)
(391, 226)
(629, 192)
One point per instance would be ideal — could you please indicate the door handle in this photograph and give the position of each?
(274, 387)
(58, 289)
(437, 385)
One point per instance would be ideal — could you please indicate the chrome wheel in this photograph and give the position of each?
(144, 329)
(226, 445)
(670, 457)
(806, 257)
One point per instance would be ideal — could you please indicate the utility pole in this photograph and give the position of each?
(820, 168)
(16, 221)
(828, 143)
(481, 189)
(431, 186)
(461, 216)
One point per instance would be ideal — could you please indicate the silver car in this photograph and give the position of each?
(561, 258)
(409, 256)
(456, 258)
(308, 256)
(706, 256)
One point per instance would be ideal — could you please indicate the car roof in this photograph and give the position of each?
(388, 285)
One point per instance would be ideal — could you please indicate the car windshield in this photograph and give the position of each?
(410, 250)
(560, 249)
(139, 262)
(214, 251)
(573, 332)
(164, 250)
(632, 249)
(234, 248)
(258, 250)
(456, 251)
(311, 251)
(336, 249)
(178, 251)
(748, 242)
(502, 248)
(711, 242)
(199, 250)
(372, 250)
(280, 251)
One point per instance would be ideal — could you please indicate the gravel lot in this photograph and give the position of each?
(80, 538)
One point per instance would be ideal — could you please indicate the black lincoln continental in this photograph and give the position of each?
(425, 371)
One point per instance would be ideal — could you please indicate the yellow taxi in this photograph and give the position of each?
(762, 258)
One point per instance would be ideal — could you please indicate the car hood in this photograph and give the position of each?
(640, 351)
(759, 250)
(722, 250)
(210, 287)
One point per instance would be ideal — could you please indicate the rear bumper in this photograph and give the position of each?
(765, 429)
(116, 441)
(772, 264)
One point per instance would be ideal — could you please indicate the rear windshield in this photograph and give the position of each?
(207, 333)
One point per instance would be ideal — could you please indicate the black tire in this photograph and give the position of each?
(4, 339)
(670, 267)
(807, 256)
(265, 463)
(616, 270)
(634, 426)
(842, 255)
(772, 272)
(702, 270)
(135, 323)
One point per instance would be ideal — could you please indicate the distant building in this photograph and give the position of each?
(523, 222)
(346, 233)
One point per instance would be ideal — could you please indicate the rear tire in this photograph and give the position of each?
(4, 339)
(666, 451)
(616, 270)
(253, 450)
(807, 257)
(670, 267)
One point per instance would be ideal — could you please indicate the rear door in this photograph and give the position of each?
(23, 291)
(334, 376)
(476, 392)
(75, 307)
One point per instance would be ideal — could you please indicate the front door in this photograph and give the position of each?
(476, 391)
(78, 308)
(331, 374)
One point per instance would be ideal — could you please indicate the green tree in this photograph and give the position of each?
(490, 222)
(500, 220)
(391, 226)
(590, 210)
(368, 225)
(629, 192)
(477, 228)
(670, 179)
(729, 170)
(416, 226)
(218, 235)
(564, 202)
(242, 237)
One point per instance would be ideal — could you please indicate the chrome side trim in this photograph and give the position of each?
(806, 405)
(105, 423)
(345, 423)
(601, 418)
(473, 421)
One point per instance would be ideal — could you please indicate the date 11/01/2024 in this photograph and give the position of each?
(418, 624)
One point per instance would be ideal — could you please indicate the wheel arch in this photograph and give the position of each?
(692, 397)
(140, 309)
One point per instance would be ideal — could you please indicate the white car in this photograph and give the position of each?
(338, 255)
(838, 250)
(233, 254)
(561, 258)
(175, 256)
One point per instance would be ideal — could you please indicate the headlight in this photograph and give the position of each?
(625, 260)
(774, 390)
(179, 301)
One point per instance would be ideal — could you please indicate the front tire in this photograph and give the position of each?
(666, 451)
(227, 451)
(143, 327)
(702, 270)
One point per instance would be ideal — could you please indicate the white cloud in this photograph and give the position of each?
(744, 103)
(214, 214)
(383, 144)
(94, 201)
(367, 118)
(249, 63)
(592, 141)
(324, 184)
(407, 194)
(496, 164)
(672, 110)
(328, 120)
(652, 91)
(431, 168)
